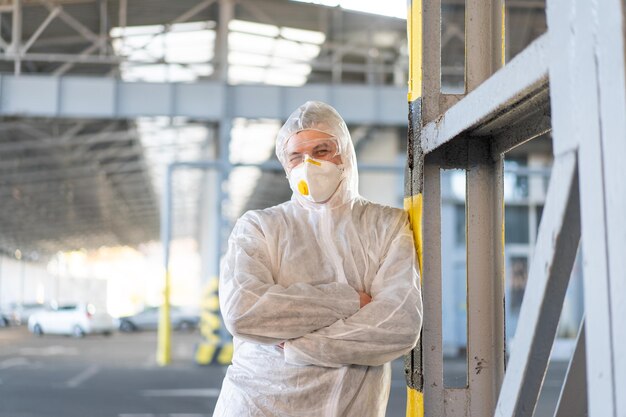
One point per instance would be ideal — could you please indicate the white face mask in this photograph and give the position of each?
(315, 179)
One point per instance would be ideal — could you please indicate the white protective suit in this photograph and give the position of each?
(291, 274)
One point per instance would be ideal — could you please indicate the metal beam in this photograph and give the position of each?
(573, 399)
(611, 61)
(47, 144)
(323, 64)
(84, 171)
(550, 269)
(57, 161)
(3, 44)
(185, 16)
(61, 217)
(69, 63)
(16, 163)
(79, 58)
(49, 209)
(43, 182)
(485, 277)
(16, 38)
(193, 11)
(431, 52)
(60, 161)
(226, 14)
(589, 106)
(432, 294)
(510, 4)
(123, 15)
(62, 206)
(63, 97)
(104, 26)
(73, 23)
(484, 55)
(524, 77)
(484, 48)
(49, 203)
(147, 225)
(56, 187)
(560, 16)
(527, 124)
(60, 40)
(53, 13)
(46, 203)
(69, 212)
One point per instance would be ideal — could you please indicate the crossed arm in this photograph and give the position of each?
(322, 325)
(255, 309)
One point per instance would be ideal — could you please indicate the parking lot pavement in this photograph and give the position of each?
(56, 376)
(117, 376)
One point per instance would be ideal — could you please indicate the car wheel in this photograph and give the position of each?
(127, 326)
(78, 331)
(38, 330)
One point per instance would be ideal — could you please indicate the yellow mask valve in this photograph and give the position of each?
(303, 187)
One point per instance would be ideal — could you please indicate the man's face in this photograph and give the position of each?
(317, 145)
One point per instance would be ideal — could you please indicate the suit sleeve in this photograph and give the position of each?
(384, 329)
(256, 309)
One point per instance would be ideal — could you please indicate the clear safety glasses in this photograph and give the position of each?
(325, 149)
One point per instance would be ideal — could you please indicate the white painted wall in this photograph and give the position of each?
(22, 281)
(29, 282)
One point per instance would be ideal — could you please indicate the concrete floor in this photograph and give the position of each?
(116, 376)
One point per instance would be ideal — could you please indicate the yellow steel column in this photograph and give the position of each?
(164, 352)
(413, 191)
(414, 35)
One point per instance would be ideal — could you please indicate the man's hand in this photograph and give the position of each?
(365, 299)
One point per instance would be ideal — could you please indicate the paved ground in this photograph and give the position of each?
(56, 376)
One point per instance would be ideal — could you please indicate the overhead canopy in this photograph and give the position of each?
(84, 181)
(73, 184)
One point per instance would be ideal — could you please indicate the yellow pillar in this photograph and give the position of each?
(164, 348)
(414, 186)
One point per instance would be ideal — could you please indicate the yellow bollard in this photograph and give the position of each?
(212, 349)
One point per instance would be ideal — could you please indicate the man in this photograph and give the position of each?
(320, 293)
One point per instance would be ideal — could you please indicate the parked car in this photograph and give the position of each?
(20, 312)
(148, 319)
(72, 319)
(4, 320)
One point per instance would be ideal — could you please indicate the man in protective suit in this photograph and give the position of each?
(320, 293)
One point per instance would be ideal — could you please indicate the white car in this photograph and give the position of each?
(73, 319)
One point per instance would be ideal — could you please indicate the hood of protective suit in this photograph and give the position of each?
(321, 117)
